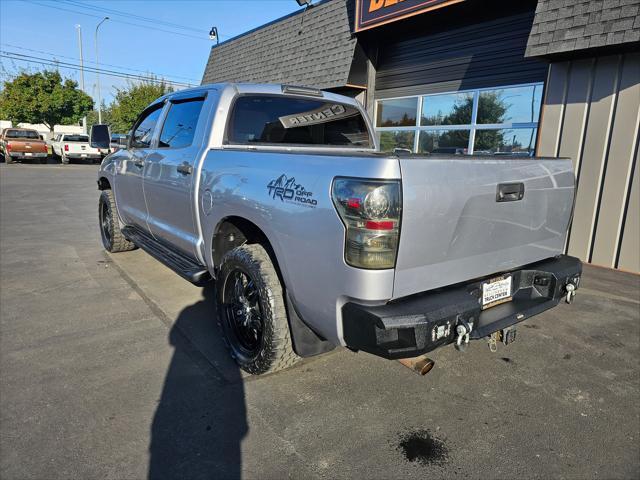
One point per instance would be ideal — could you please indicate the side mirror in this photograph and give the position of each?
(124, 141)
(100, 136)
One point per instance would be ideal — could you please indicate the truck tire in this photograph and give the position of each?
(64, 159)
(251, 311)
(112, 238)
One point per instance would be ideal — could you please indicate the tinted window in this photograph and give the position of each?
(392, 139)
(510, 105)
(22, 134)
(76, 138)
(180, 125)
(296, 121)
(144, 128)
(447, 109)
(520, 141)
(401, 112)
(454, 142)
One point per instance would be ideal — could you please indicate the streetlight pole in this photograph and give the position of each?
(84, 119)
(98, 70)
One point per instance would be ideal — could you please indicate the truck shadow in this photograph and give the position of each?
(200, 420)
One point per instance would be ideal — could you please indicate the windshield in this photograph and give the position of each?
(76, 138)
(268, 120)
(31, 134)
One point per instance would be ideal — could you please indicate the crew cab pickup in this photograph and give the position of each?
(22, 144)
(315, 238)
(74, 146)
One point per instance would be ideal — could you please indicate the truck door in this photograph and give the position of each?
(128, 184)
(169, 179)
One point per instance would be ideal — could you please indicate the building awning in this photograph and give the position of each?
(562, 28)
(312, 47)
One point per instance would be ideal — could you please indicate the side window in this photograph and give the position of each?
(180, 124)
(143, 130)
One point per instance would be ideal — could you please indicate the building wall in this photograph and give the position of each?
(592, 115)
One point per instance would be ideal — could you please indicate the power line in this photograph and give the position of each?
(72, 66)
(55, 55)
(130, 15)
(118, 21)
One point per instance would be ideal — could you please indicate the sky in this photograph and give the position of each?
(167, 38)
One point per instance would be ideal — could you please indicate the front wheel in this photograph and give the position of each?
(252, 312)
(112, 238)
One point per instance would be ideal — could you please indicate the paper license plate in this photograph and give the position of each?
(496, 291)
(27, 154)
(83, 154)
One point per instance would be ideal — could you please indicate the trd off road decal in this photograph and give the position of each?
(287, 190)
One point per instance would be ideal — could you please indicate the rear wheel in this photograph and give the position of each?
(112, 238)
(64, 159)
(252, 312)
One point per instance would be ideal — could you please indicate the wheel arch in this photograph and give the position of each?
(103, 183)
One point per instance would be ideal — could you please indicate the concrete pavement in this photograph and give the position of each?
(111, 367)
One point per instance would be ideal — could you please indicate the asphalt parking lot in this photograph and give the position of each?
(111, 367)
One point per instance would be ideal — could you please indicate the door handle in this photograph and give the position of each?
(509, 192)
(185, 168)
(138, 163)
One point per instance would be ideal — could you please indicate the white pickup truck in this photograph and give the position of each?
(73, 146)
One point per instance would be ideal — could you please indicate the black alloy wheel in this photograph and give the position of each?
(243, 313)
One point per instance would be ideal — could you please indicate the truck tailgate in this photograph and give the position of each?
(454, 229)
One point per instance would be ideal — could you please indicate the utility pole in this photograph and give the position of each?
(98, 70)
(84, 119)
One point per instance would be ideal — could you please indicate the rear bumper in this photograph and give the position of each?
(23, 155)
(81, 156)
(414, 325)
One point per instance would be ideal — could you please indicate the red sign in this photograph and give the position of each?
(373, 13)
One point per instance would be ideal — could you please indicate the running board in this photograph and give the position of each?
(184, 266)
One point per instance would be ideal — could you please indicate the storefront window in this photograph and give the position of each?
(397, 113)
(453, 142)
(487, 121)
(391, 139)
(515, 105)
(448, 109)
(519, 141)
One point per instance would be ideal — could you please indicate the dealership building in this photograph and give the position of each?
(482, 77)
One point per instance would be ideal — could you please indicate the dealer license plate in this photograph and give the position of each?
(496, 291)
(27, 154)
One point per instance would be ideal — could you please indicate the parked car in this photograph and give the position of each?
(315, 239)
(74, 146)
(22, 144)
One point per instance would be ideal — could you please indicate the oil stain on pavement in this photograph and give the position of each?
(422, 447)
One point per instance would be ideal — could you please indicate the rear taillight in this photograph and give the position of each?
(370, 211)
(66, 147)
(8, 146)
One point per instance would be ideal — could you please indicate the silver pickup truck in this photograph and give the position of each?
(315, 239)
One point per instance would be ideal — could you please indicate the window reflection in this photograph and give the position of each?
(453, 142)
(391, 139)
(448, 109)
(401, 112)
(510, 105)
(520, 141)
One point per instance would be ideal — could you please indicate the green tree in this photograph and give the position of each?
(43, 97)
(131, 101)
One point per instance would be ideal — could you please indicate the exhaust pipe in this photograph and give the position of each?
(421, 365)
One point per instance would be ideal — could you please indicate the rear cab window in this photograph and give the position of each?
(76, 138)
(283, 120)
(30, 134)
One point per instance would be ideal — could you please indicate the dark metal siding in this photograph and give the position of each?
(485, 54)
